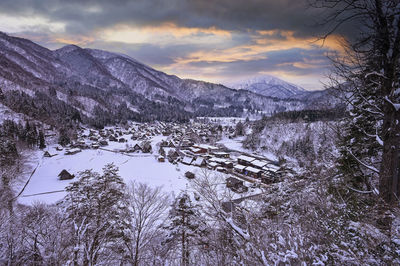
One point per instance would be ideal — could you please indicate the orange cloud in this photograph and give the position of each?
(165, 33)
(77, 40)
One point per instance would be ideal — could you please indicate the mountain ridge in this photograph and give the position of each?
(270, 86)
(115, 83)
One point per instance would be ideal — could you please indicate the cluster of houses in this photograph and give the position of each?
(180, 144)
(215, 158)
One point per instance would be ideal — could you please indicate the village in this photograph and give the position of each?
(193, 144)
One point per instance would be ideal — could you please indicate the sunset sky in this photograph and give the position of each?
(219, 41)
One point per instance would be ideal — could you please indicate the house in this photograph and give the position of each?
(72, 151)
(200, 162)
(47, 154)
(221, 154)
(137, 148)
(161, 159)
(228, 206)
(103, 142)
(189, 175)
(232, 182)
(236, 185)
(65, 175)
(187, 160)
(95, 146)
(196, 150)
(245, 160)
(59, 148)
(239, 168)
(212, 165)
(258, 164)
(253, 172)
(121, 140)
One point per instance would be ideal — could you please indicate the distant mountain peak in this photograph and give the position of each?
(268, 85)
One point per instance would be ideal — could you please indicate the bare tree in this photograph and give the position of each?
(148, 210)
(368, 74)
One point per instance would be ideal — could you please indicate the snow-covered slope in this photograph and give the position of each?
(269, 86)
(110, 81)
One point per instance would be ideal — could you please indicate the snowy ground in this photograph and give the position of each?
(7, 113)
(140, 168)
(132, 167)
(236, 144)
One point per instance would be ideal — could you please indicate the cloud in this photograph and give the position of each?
(213, 40)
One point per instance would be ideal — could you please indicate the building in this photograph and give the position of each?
(236, 185)
(221, 154)
(245, 160)
(72, 151)
(258, 164)
(239, 168)
(253, 172)
(65, 175)
(200, 162)
(187, 160)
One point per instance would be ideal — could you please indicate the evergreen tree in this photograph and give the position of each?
(42, 143)
(239, 131)
(97, 208)
(186, 226)
(368, 76)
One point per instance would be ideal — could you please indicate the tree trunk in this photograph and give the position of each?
(389, 173)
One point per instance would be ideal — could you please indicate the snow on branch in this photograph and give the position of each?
(237, 229)
(363, 164)
(396, 106)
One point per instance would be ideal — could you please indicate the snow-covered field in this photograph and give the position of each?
(236, 144)
(137, 167)
(140, 167)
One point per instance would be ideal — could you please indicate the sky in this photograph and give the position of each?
(221, 41)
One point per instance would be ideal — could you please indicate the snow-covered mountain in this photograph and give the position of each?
(89, 83)
(269, 86)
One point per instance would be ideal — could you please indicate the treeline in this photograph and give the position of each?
(103, 221)
(41, 107)
(31, 134)
(310, 115)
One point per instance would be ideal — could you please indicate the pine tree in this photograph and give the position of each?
(97, 208)
(186, 226)
(368, 75)
(42, 143)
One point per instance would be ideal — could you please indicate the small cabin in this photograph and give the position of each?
(239, 168)
(221, 154)
(189, 175)
(253, 172)
(47, 154)
(103, 142)
(236, 185)
(161, 159)
(245, 160)
(72, 151)
(187, 160)
(200, 162)
(65, 175)
(233, 182)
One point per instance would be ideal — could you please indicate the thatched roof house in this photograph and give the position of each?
(65, 175)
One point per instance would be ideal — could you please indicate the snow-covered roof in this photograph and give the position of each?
(193, 149)
(239, 167)
(213, 164)
(271, 168)
(253, 170)
(198, 161)
(187, 160)
(246, 158)
(259, 163)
